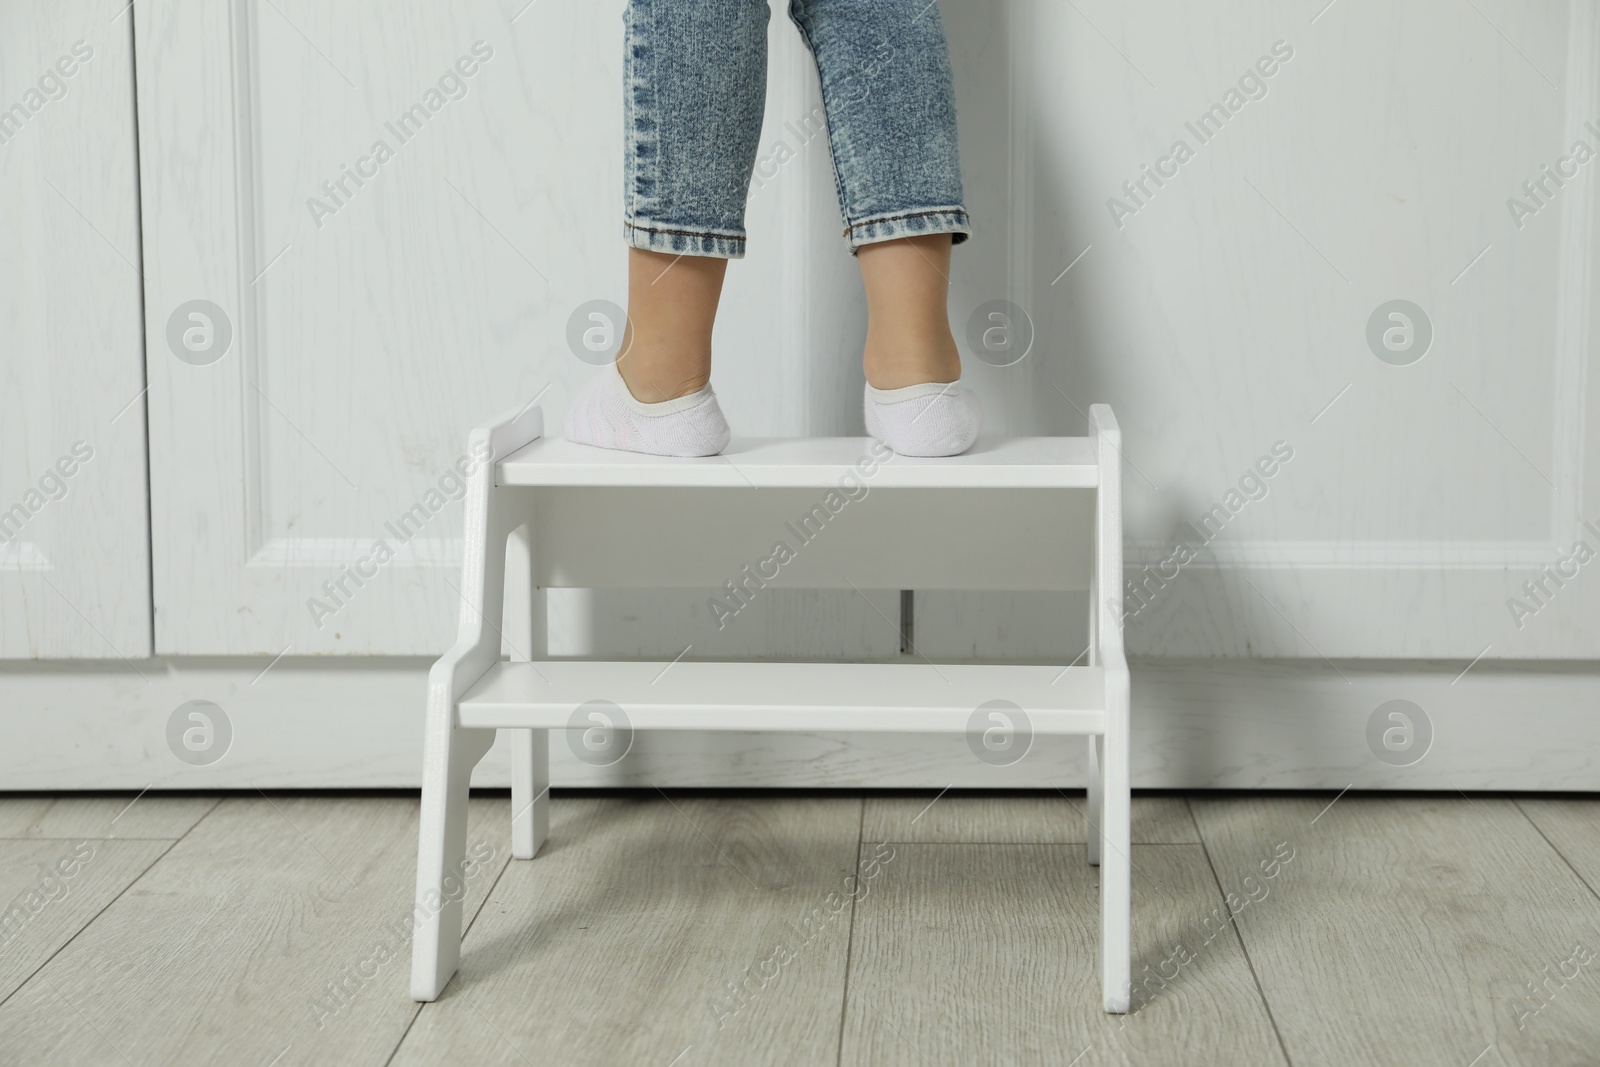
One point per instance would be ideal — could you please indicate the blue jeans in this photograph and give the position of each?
(694, 81)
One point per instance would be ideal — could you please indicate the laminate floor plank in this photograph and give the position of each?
(1413, 930)
(1572, 826)
(277, 931)
(1052, 818)
(967, 953)
(53, 889)
(759, 930)
(692, 930)
(114, 815)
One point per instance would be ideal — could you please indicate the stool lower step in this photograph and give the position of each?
(702, 695)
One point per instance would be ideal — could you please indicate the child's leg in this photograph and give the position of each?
(885, 72)
(694, 87)
(890, 102)
(672, 305)
(908, 322)
(658, 397)
(914, 400)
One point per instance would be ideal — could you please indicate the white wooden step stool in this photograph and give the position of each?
(1014, 514)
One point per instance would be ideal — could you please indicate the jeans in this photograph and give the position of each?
(694, 81)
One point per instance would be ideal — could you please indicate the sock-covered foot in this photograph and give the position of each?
(606, 414)
(932, 419)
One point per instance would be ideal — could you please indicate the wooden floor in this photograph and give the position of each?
(678, 930)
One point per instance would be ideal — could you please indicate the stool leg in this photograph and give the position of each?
(1092, 814)
(526, 641)
(1116, 872)
(530, 791)
(449, 751)
(449, 754)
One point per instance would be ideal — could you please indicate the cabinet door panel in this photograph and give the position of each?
(74, 550)
(381, 301)
(1207, 211)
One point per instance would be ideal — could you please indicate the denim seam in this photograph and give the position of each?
(630, 75)
(962, 212)
(685, 233)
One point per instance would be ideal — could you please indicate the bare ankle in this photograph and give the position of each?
(654, 374)
(672, 305)
(896, 361)
(908, 320)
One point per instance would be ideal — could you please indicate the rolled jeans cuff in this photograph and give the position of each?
(683, 240)
(950, 219)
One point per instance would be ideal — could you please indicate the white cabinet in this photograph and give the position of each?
(74, 551)
(289, 384)
(1334, 162)
(323, 318)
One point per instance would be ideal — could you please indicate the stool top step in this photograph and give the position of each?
(802, 462)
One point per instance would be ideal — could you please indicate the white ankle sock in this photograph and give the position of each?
(932, 419)
(606, 414)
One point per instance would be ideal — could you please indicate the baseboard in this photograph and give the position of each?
(1243, 724)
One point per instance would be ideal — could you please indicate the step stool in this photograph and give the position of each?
(1013, 514)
